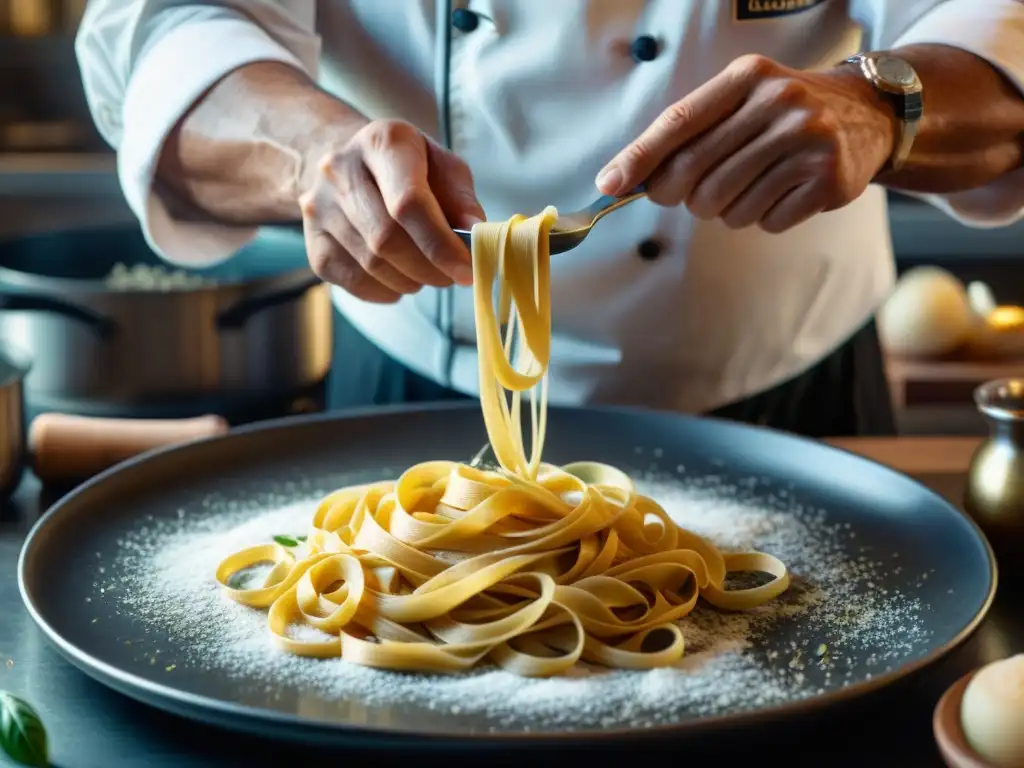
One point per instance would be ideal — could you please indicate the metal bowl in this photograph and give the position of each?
(14, 366)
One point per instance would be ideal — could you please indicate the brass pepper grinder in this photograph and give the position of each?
(995, 480)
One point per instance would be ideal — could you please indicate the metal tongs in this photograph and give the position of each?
(571, 229)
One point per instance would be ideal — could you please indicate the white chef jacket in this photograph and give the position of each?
(540, 96)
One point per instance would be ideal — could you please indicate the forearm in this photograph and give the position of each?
(972, 129)
(243, 152)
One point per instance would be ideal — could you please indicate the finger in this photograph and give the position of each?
(401, 174)
(322, 213)
(760, 197)
(383, 246)
(695, 114)
(452, 182)
(674, 182)
(795, 208)
(724, 184)
(334, 265)
(354, 243)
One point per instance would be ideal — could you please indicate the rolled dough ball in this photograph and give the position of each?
(992, 712)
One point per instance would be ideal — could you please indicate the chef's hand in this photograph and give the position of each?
(761, 144)
(378, 216)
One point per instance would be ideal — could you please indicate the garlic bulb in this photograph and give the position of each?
(982, 300)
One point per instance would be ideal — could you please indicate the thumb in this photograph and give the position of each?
(451, 181)
(631, 167)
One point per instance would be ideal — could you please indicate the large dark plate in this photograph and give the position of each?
(60, 561)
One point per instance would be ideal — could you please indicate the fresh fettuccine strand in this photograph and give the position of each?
(530, 566)
(517, 252)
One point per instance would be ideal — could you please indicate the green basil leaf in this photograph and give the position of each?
(286, 541)
(300, 538)
(22, 735)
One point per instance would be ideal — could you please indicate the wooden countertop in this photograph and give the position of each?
(913, 455)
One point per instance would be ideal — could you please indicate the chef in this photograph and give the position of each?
(766, 132)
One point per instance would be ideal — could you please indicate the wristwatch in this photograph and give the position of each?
(898, 83)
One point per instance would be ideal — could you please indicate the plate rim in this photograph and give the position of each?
(247, 719)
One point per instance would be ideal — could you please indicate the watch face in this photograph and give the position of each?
(895, 71)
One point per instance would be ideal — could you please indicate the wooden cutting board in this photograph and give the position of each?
(943, 382)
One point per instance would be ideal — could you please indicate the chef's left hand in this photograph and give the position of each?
(763, 144)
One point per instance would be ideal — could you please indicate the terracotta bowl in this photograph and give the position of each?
(950, 736)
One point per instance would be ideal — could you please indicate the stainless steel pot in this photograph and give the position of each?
(259, 325)
(13, 368)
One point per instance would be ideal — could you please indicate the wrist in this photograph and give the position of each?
(304, 127)
(897, 85)
(333, 124)
(878, 112)
(242, 153)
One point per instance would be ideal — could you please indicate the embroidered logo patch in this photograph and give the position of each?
(752, 10)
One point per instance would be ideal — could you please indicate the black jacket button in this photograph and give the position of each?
(465, 20)
(644, 48)
(649, 250)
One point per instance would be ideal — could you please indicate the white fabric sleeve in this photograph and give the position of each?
(994, 31)
(990, 29)
(145, 63)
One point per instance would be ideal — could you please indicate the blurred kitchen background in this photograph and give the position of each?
(59, 197)
(111, 331)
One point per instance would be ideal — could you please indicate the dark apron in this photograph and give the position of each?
(846, 394)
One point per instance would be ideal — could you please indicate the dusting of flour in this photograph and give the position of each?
(835, 626)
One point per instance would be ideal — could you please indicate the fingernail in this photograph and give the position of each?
(609, 181)
(463, 274)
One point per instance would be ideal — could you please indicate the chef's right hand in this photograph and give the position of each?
(379, 214)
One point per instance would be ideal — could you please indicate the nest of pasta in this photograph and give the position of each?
(451, 566)
(529, 566)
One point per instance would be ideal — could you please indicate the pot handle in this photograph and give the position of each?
(31, 302)
(237, 315)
